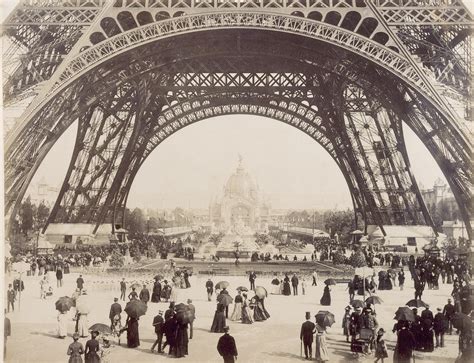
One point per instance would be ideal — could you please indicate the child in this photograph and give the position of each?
(303, 285)
(105, 350)
(380, 348)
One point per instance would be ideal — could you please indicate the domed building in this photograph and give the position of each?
(241, 206)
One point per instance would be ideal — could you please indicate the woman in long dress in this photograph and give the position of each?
(156, 295)
(237, 314)
(92, 349)
(259, 311)
(218, 323)
(346, 323)
(62, 325)
(75, 350)
(246, 311)
(174, 293)
(166, 291)
(282, 285)
(326, 299)
(321, 352)
(286, 286)
(133, 337)
(83, 325)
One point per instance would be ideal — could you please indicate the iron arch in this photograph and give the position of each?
(83, 72)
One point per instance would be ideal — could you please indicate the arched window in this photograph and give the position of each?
(333, 17)
(381, 38)
(144, 18)
(351, 20)
(367, 27)
(162, 15)
(110, 27)
(126, 20)
(315, 15)
(97, 37)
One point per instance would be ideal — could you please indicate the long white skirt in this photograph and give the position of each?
(321, 353)
(82, 326)
(174, 294)
(237, 314)
(62, 325)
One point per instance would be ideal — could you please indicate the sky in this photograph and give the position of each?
(191, 166)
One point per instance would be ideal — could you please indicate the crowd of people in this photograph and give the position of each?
(424, 331)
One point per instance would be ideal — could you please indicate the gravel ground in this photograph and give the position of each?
(275, 340)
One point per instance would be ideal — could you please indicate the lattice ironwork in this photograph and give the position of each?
(134, 74)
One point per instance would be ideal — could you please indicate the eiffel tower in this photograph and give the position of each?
(130, 73)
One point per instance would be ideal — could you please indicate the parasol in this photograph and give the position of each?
(101, 328)
(64, 304)
(222, 285)
(358, 303)
(415, 303)
(135, 308)
(83, 305)
(158, 277)
(261, 292)
(224, 299)
(462, 322)
(373, 300)
(275, 281)
(324, 318)
(136, 285)
(242, 288)
(330, 282)
(404, 313)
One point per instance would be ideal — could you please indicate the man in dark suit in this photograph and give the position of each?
(123, 289)
(294, 283)
(448, 312)
(80, 282)
(306, 335)
(115, 309)
(226, 347)
(440, 325)
(192, 316)
(252, 277)
(11, 297)
(144, 295)
(158, 323)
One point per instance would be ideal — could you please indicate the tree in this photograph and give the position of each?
(42, 214)
(27, 212)
(338, 258)
(116, 259)
(340, 222)
(136, 222)
(358, 259)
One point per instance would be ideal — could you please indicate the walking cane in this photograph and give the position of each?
(301, 348)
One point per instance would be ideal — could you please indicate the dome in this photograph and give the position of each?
(240, 184)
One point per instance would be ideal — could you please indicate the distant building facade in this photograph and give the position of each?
(42, 192)
(439, 193)
(240, 205)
